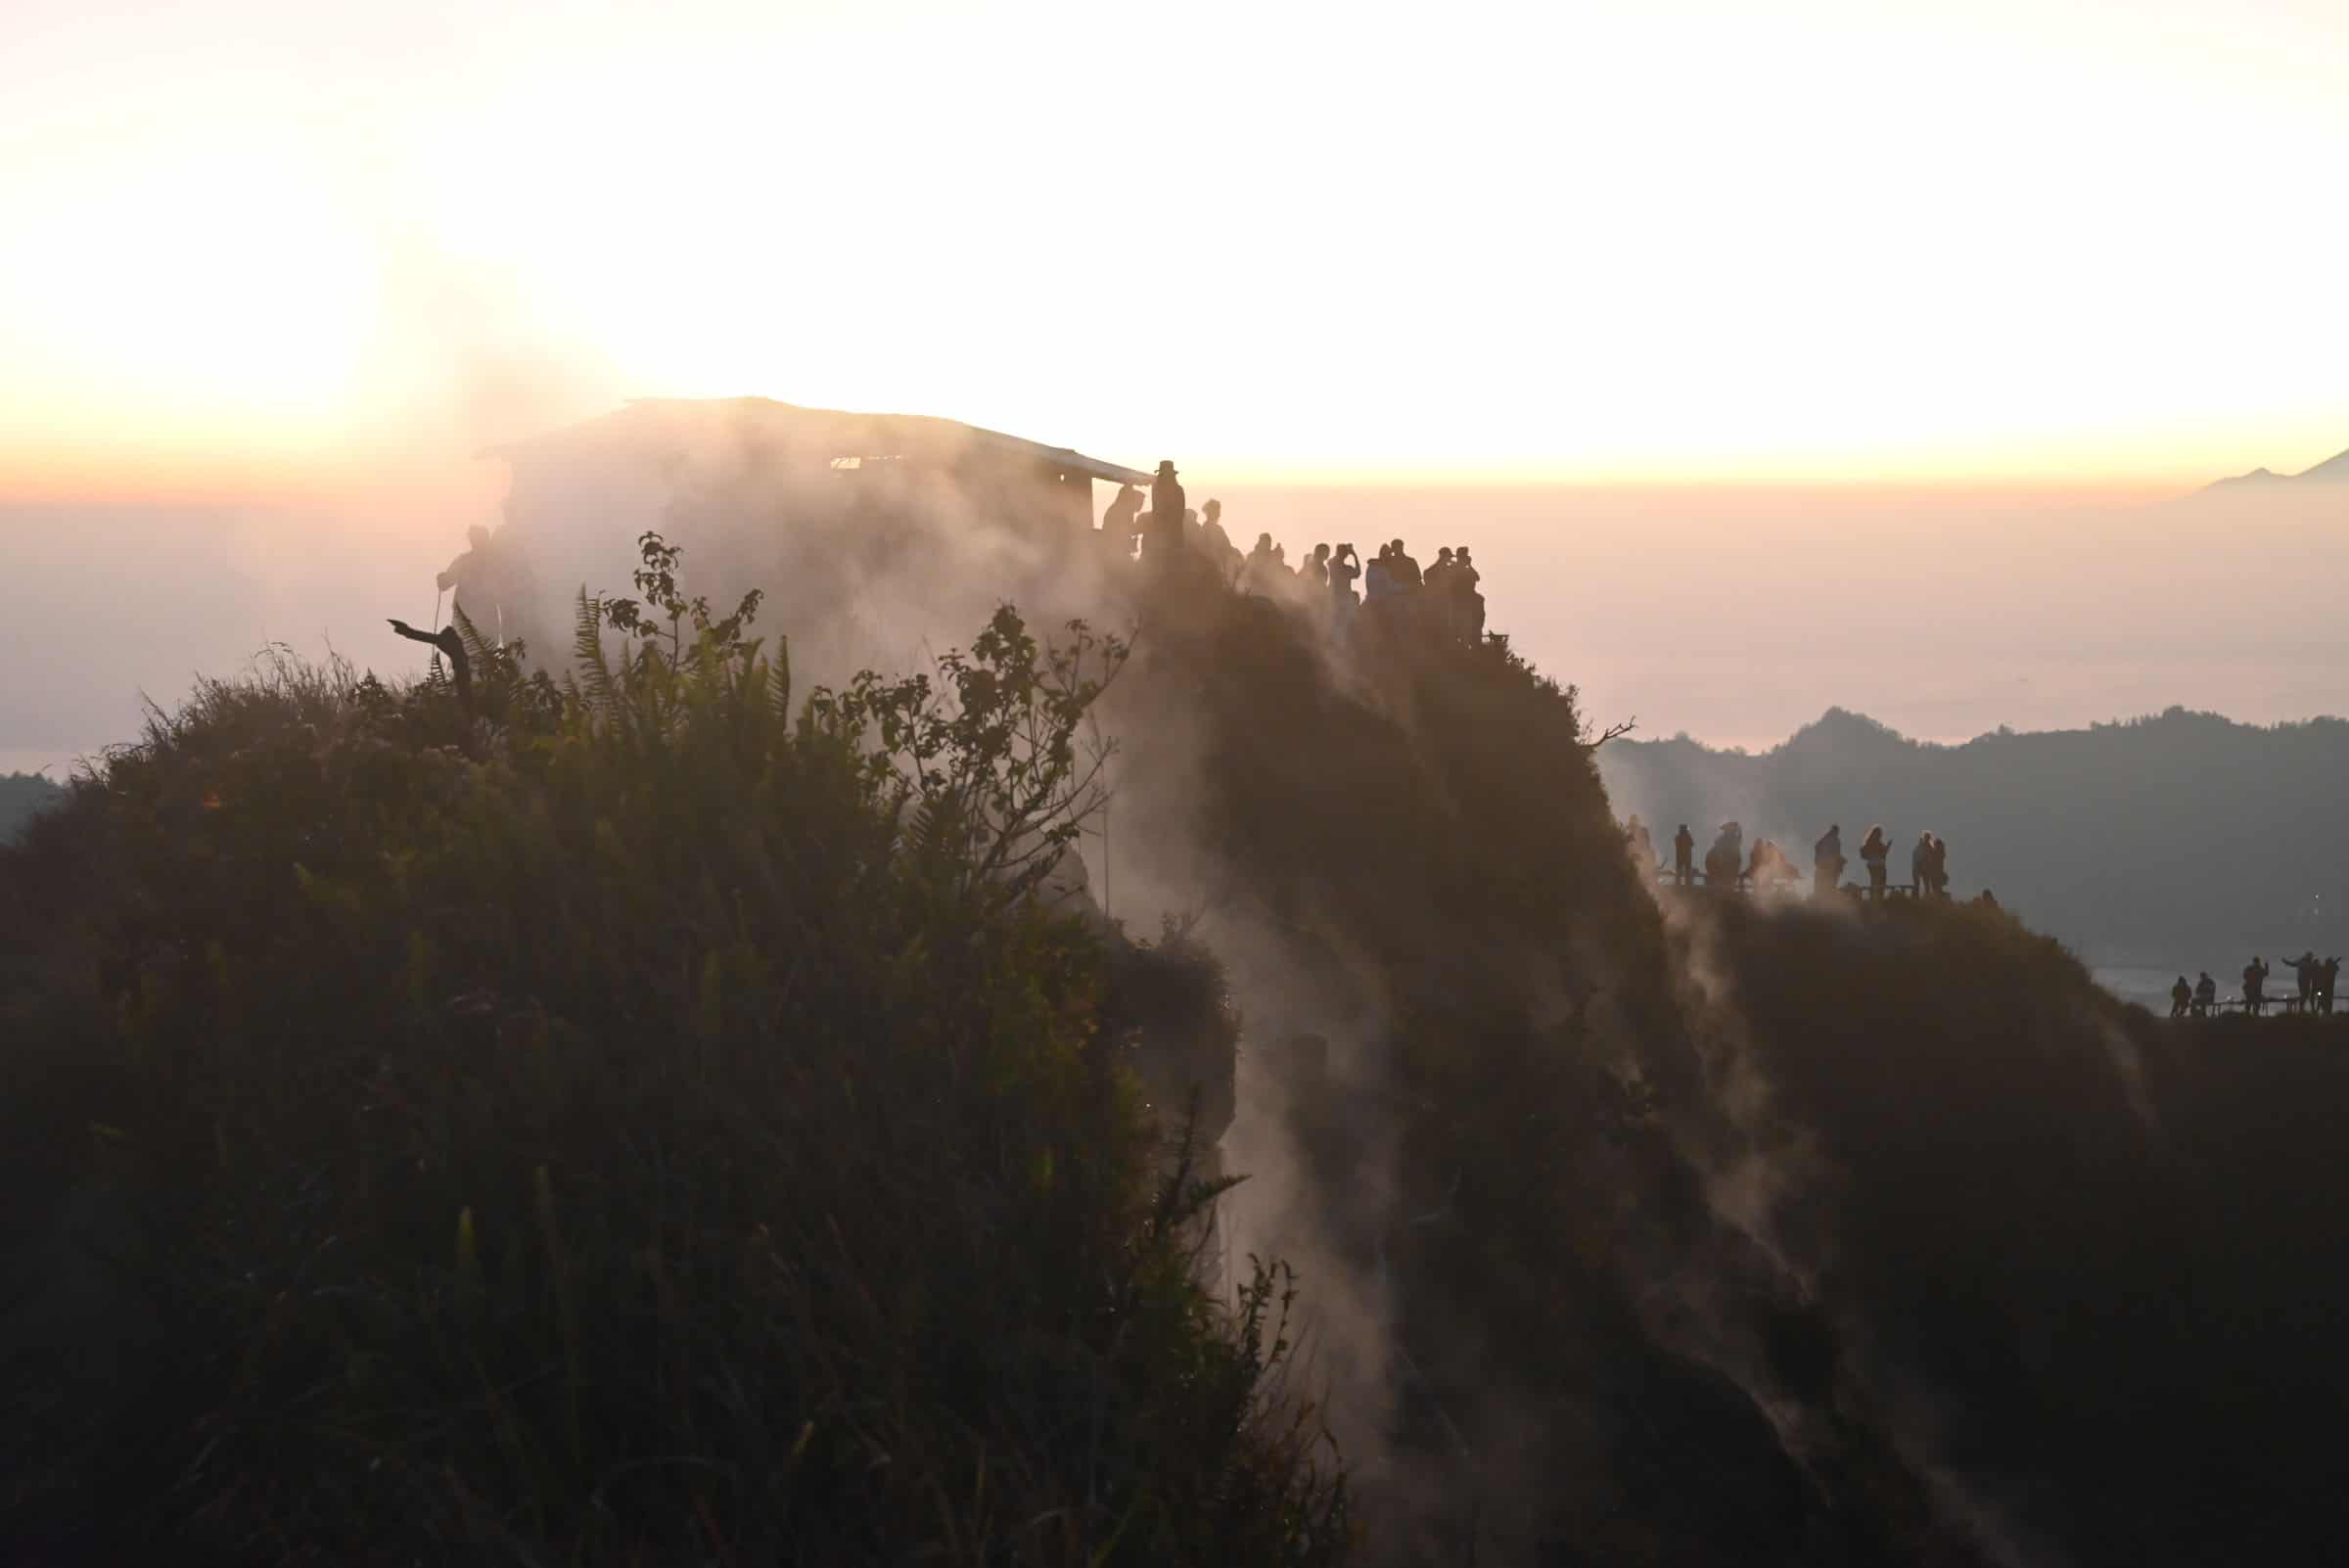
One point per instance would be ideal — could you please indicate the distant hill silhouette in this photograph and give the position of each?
(21, 795)
(2174, 839)
(2334, 470)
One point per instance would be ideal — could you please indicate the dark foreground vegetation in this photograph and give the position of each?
(660, 1121)
(649, 1125)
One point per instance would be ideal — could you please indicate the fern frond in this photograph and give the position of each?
(587, 654)
(480, 649)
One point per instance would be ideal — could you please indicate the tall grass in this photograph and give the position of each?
(621, 1124)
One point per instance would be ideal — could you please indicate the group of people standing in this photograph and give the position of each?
(2316, 978)
(1928, 862)
(1442, 598)
(1726, 863)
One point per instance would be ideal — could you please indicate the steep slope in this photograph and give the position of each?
(632, 1125)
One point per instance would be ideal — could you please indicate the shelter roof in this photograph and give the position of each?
(832, 433)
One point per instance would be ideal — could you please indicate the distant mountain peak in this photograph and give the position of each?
(2334, 470)
(1840, 728)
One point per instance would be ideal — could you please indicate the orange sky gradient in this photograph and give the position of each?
(263, 245)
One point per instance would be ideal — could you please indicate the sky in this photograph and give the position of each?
(272, 272)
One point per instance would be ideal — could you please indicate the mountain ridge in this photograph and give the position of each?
(2177, 837)
(2334, 470)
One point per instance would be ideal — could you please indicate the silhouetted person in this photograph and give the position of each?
(1123, 521)
(2182, 997)
(1925, 865)
(1403, 570)
(1727, 855)
(1378, 577)
(1769, 864)
(1345, 564)
(1443, 604)
(1684, 857)
(2328, 973)
(2304, 973)
(1166, 511)
(1827, 862)
(467, 566)
(2206, 994)
(2256, 980)
(1215, 546)
(1315, 568)
(1464, 579)
(1875, 849)
(451, 647)
(1938, 866)
(1262, 563)
(490, 586)
(1643, 850)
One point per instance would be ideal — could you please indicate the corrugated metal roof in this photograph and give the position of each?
(830, 433)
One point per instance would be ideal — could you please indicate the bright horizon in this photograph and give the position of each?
(1843, 354)
(262, 247)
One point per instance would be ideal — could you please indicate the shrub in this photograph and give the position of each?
(626, 1123)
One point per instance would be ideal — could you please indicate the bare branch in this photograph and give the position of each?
(1612, 732)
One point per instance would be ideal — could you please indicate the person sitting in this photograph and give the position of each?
(2182, 997)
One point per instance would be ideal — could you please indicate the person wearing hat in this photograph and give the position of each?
(1165, 508)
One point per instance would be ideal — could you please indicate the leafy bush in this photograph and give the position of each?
(627, 1122)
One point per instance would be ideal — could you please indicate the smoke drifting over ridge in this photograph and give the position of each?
(1568, 1199)
(1606, 1246)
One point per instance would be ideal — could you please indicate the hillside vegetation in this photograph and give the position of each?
(650, 1121)
(662, 1119)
